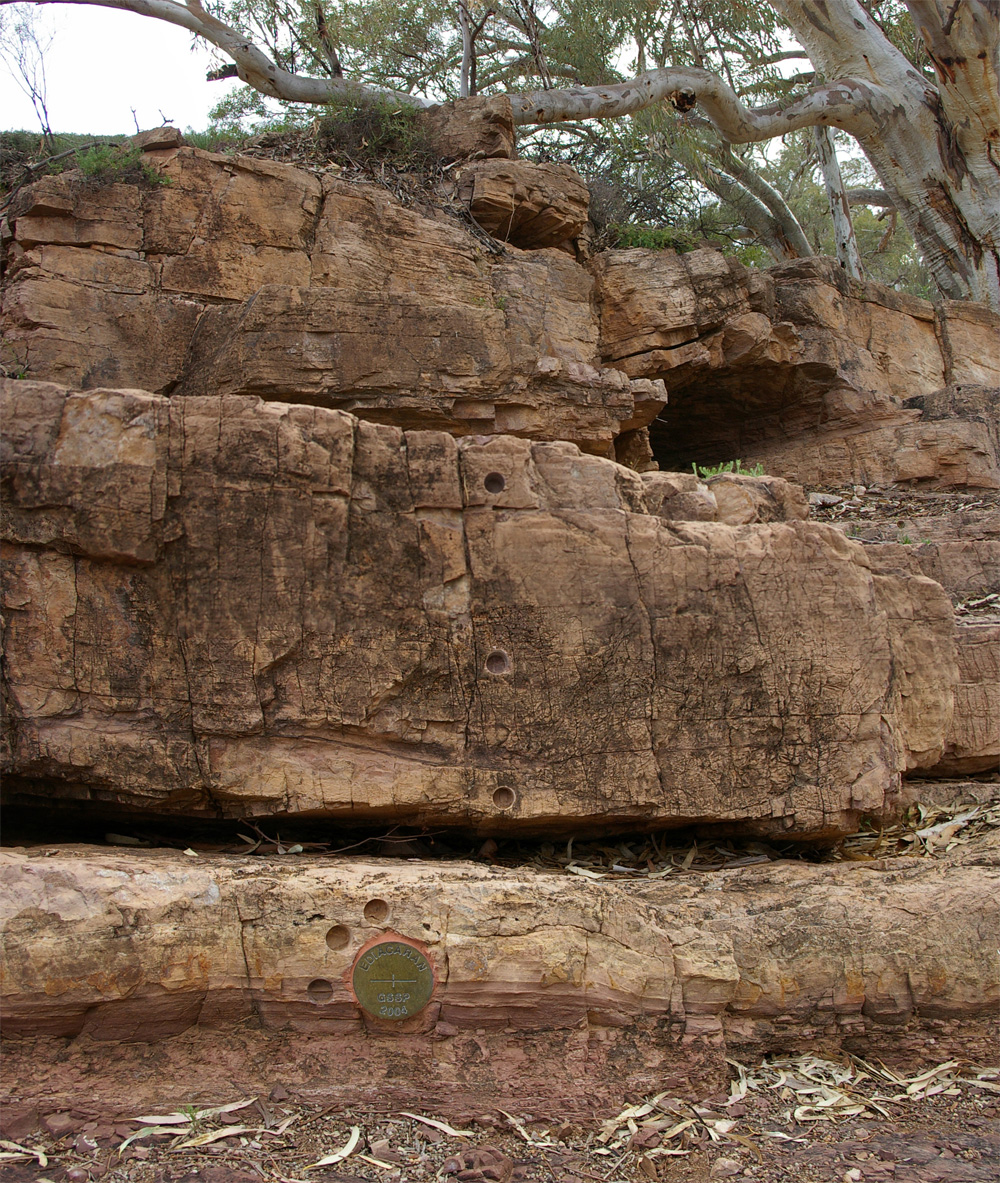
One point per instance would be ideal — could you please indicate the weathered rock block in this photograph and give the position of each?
(475, 128)
(528, 205)
(647, 984)
(795, 368)
(742, 499)
(965, 567)
(242, 276)
(223, 607)
(972, 742)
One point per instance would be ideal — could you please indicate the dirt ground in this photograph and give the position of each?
(945, 1129)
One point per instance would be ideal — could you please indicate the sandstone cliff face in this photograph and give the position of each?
(225, 607)
(819, 380)
(242, 276)
(224, 596)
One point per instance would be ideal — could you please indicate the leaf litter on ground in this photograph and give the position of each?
(814, 1089)
(786, 1100)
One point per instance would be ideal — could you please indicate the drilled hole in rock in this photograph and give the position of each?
(338, 937)
(498, 662)
(504, 798)
(494, 482)
(376, 911)
(319, 990)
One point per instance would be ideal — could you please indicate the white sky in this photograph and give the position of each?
(103, 62)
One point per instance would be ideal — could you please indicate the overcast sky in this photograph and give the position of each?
(104, 62)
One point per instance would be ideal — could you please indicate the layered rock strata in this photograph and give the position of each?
(642, 985)
(242, 276)
(222, 607)
(819, 379)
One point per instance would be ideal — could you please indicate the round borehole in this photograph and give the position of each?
(498, 662)
(376, 911)
(494, 482)
(339, 937)
(319, 990)
(504, 798)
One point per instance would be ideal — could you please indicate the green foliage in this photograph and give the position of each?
(101, 161)
(655, 238)
(380, 130)
(19, 149)
(218, 139)
(117, 164)
(734, 466)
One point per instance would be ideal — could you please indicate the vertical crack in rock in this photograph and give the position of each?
(252, 992)
(630, 522)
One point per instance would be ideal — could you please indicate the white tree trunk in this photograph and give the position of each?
(848, 255)
(466, 27)
(936, 149)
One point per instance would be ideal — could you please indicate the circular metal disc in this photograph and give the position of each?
(393, 980)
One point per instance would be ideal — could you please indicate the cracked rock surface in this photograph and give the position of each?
(222, 607)
(246, 276)
(642, 985)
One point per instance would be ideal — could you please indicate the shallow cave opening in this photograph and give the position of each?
(717, 417)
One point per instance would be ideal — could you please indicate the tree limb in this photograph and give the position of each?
(755, 215)
(870, 197)
(787, 225)
(253, 65)
(847, 103)
(848, 253)
(329, 50)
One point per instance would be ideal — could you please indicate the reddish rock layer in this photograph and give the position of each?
(644, 986)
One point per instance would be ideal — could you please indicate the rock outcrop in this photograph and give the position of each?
(972, 742)
(527, 205)
(961, 552)
(223, 607)
(242, 276)
(820, 380)
(310, 512)
(649, 985)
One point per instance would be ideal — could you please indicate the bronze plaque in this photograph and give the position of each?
(393, 980)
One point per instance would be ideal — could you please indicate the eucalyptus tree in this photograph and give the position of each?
(915, 82)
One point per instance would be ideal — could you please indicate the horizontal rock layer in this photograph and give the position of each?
(646, 985)
(243, 276)
(221, 607)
